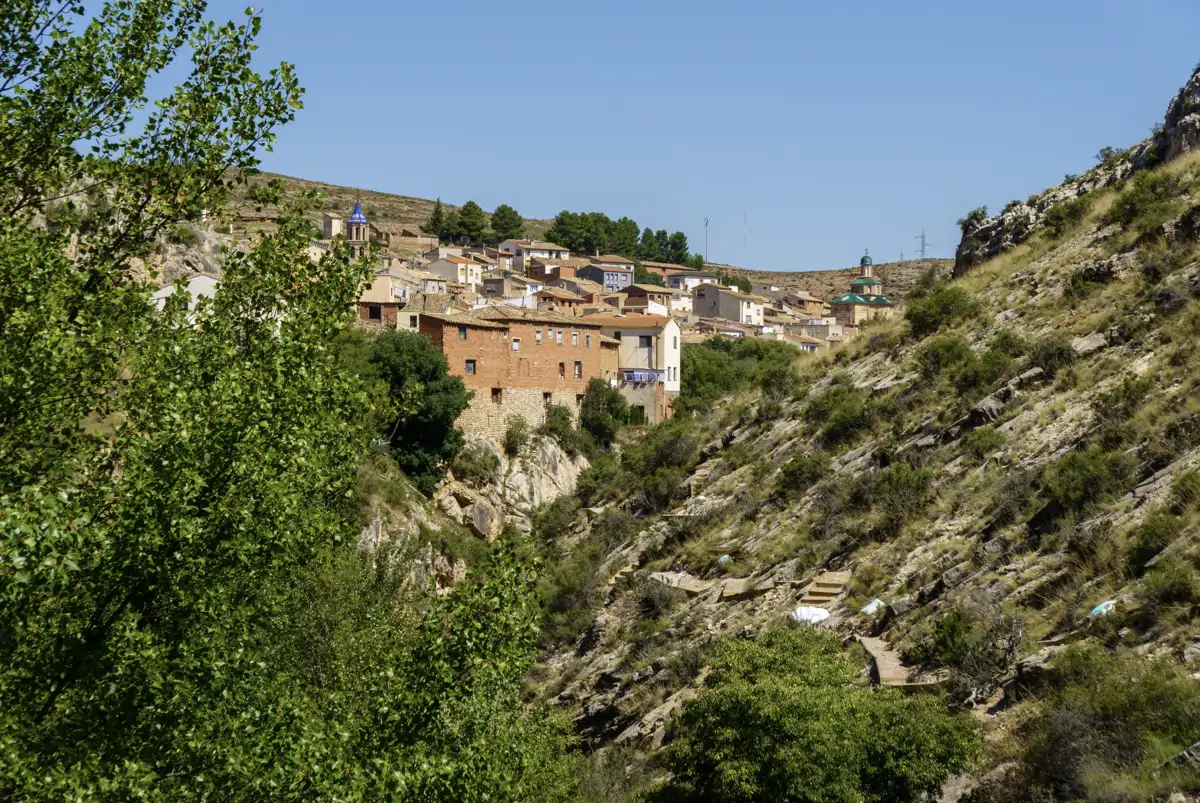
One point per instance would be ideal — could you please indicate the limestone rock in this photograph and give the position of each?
(744, 588)
(449, 505)
(1033, 672)
(1089, 344)
(900, 607)
(483, 519)
(692, 586)
(538, 477)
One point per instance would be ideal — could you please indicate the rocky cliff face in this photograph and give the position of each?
(542, 473)
(1179, 134)
(1016, 470)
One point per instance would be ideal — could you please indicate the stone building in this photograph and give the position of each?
(865, 300)
(717, 301)
(358, 232)
(517, 362)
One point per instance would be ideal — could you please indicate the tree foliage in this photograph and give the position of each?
(781, 719)
(721, 366)
(507, 224)
(183, 613)
(602, 411)
(426, 399)
(596, 232)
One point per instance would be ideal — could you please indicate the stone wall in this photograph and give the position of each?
(485, 418)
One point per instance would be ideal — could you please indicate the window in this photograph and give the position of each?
(497, 396)
(516, 344)
(587, 341)
(578, 399)
(547, 397)
(470, 369)
(412, 321)
(578, 369)
(374, 313)
(462, 333)
(562, 370)
(617, 335)
(645, 341)
(537, 336)
(675, 342)
(558, 337)
(574, 338)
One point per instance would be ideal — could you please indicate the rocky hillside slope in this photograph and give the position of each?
(975, 494)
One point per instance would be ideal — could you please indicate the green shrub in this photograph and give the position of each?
(1171, 581)
(1067, 215)
(601, 480)
(1084, 477)
(1185, 492)
(721, 366)
(1108, 719)
(846, 414)
(945, 305)
(782, 719)
(900, 492)
(183, 234)
(475, 465)
(972, 219)
(983, 442)
(560, 425)
(652, 599)
(1149, 202)
(978, 640)
(602, 411)
(516, 435)
(802, 472)
(1086, 281)
(1009, 342)
(554, 520)
(942, 354)
(1122, 402)
(1053, 353)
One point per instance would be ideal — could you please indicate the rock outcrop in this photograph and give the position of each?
(1179, 134)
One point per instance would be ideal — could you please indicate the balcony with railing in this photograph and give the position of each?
(643, 376)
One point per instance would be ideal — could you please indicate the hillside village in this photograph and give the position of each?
(309, 494)
(530, 324)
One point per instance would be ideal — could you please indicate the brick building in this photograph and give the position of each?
(517, 362)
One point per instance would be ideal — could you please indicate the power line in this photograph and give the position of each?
(925, 244)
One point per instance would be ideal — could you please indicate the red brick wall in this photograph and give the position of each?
(533, 366)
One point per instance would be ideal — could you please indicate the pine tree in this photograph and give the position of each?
(472, 222)
(507, 224)
(436, 225)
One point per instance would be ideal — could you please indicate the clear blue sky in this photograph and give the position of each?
(832, 126)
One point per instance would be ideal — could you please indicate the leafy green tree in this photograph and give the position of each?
(648, 245)
(567, 230)
(677, 248)
(183, 613)
(623, 237)
(436, 224)
(602, 411)
(507, 224)
(427, 400)
(782, 719)
(471, 222)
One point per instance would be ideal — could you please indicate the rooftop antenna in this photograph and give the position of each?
(706, 240)
(924, 243)
(901, 254)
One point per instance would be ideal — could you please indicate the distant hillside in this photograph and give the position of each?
(394, 213)
(387, 211)
(898, 277)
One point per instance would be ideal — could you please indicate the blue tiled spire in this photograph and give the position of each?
(357, 215)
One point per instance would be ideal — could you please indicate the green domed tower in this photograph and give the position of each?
(866, 284)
